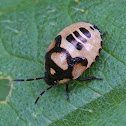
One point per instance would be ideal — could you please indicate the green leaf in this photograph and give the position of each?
(26, 30)
(4, 89)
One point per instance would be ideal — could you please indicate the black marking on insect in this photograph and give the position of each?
(100, 50)
(58, 41)
(49, 78)
(85, 32)
(92, 28)
(96, 58)
(96, 27)
(92, 64)
(80, 37)
(74, 42)
(101, 43)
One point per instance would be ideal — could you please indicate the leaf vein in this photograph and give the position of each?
(18, 114)
(116, 58)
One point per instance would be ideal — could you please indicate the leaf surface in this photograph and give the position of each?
(26, 30)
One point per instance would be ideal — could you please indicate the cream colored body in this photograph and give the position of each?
(90, 49)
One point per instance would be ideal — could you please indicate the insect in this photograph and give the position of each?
(71, 53)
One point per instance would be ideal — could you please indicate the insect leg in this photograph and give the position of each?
(103, 34)
(67, 91)
(89, 78)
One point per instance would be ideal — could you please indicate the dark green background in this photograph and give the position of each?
(26, 30)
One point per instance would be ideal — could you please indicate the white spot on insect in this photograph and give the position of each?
(14, 30)
(88, 46)
(78, 9)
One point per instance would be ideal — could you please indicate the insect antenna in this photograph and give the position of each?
(39, 78)
(103, 34)
(43, 93)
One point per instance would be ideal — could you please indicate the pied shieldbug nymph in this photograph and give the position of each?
(71, 53)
